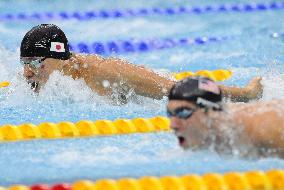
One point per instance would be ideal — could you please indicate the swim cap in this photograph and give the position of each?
(201, 91)
(45, 40)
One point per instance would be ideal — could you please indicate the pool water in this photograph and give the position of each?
(251, 52)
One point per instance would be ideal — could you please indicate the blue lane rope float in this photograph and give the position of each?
(128, 13)
(137, 46)
(277, 35)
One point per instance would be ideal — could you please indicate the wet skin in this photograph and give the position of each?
(191, 132)
(37, 77)
(145, 82)
(259, 125)
(95, 70)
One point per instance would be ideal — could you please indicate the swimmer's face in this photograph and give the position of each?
(191, 132)
(38, 75)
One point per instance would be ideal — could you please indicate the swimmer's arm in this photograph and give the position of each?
(235, 93)
(252, 91)
(145, 82)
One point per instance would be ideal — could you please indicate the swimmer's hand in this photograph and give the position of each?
(4, 84)
(254, 89)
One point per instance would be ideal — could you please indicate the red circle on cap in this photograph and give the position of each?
(58, 47)
(39, 187)
(61, 186)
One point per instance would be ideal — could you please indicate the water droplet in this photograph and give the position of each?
(275, 35)
(106, 83)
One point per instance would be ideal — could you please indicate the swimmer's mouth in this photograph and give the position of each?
(34, 85)
(181, 140)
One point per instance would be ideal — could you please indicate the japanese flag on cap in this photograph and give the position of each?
(57, 47)
(45, 40)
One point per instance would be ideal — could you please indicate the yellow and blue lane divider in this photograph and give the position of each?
(251, 180)
(143, 12)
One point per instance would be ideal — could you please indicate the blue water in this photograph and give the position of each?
(250, 53)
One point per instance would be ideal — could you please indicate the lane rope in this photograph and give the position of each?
(252, 180)
(216, 75)
(140, 46)
(277, 35)
(142, 12)
(84, 128)
(4, 84)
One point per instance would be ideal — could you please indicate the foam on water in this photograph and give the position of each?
(65, 89)
(60, 98)
(273, 84)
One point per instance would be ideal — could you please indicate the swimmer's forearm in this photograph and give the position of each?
(253, 90)
(153, 85)
(235, 93)
(145, 82)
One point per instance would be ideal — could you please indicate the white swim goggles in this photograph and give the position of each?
(34, 62)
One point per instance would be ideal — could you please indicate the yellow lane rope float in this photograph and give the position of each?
(251, 180)
(216, 75)
(4, 84)
(83, 128)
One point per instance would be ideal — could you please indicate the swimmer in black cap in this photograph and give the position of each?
(44, 49)
(200, 119)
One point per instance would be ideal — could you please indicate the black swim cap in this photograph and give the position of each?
(201, 91)
(45, 40)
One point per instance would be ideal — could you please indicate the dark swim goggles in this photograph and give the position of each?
(182, 112)
(34, 62)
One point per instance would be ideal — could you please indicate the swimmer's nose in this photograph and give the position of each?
(175, 123)
(28, 73)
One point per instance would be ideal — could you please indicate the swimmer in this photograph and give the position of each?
(44, 49)
(201, 120)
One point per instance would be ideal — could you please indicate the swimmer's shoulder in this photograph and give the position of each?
(88, 59)
(257, 107)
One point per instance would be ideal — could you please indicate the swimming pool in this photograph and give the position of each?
(250, 52)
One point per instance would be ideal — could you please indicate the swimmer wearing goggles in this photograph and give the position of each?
(181, 112)
(34, 65)
(45, 49)
(34, 62)
(201, 120)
